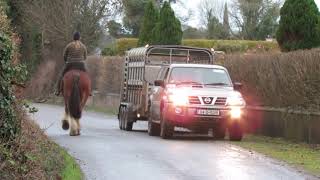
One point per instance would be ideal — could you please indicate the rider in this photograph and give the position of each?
(74, 56)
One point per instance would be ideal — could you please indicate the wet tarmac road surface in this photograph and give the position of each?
(104, 152)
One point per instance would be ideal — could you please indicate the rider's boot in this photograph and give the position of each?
(58, 90)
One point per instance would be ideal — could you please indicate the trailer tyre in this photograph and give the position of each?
(153, 128)
(167, 129)
(121, 116)
(127, 125)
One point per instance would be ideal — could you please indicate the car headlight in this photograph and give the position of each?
(178, 96)
(235, 112)
(235, 101)
(178, 99)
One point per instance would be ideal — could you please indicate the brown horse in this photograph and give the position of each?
(76, 90)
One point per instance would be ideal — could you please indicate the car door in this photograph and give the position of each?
(157, 94)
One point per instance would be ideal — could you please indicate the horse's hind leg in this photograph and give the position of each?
(78, 126)
(74, 131)
(65, 120)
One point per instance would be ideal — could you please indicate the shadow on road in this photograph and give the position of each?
(186, 136)
(140, 131)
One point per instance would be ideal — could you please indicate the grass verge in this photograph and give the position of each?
(71, 170)
(300, 155)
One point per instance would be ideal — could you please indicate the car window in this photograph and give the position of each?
(209, 76)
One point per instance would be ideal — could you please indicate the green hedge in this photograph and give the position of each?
(124, 44)
(9, 123)
(10, 73)
(229, 46)
(287, 80)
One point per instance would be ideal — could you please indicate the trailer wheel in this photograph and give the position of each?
(127, 125)
(153, 128)
(121, 115)
(167, 129)
(235, 132)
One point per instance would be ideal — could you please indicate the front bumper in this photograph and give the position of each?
(186, 116)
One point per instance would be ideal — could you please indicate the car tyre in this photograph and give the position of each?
(235, 132)
(167, 129)
(153, 128)
(219, 132)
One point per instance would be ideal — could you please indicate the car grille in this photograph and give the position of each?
(194, 100)
(221, 101)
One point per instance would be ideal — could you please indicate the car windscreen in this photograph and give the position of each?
(200, 75)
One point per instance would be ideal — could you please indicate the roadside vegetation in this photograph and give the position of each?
(25, 152)
(71, 170)
(300, 155)
(287, 80)
(33, 156)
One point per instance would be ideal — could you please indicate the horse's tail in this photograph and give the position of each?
(74, 99)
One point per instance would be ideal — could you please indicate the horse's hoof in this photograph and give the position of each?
(65, 125)
(74, 134)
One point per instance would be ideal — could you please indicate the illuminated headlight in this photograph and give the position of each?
(178, 99)
(235, 113)
(235, 101)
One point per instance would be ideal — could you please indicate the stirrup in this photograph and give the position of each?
(57, 93)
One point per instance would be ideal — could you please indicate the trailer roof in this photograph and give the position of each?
(142, 53)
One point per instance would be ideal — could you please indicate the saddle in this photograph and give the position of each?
(77, 65)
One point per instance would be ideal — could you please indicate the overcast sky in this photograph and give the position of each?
(193, 5)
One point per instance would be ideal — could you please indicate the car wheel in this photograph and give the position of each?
(235, 132)
(167, 129)
(153, 128)
(219, 132)
(126, 124)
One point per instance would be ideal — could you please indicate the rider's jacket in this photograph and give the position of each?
(75, 52)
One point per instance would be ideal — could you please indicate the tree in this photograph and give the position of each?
(298, 28)
(115, 29)
(134, 11)
(168, 29)
(226, 25)
(214, 27)
(133, 15)
(194, 33)
(255, 19)
(208, 8)
(210, 18)
(57, 20)
(150, 19)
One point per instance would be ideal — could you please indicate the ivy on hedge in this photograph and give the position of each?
(9, 73)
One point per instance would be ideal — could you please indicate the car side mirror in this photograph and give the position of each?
(237, 86)
(159, 83)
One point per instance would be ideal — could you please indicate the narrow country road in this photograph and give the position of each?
(104, 152)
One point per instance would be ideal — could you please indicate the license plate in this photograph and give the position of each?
(208, 112)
